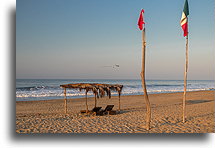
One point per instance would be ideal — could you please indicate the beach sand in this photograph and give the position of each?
(48, 116)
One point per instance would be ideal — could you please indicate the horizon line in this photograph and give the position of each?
(107, 79)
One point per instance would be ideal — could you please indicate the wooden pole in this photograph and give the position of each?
(95, 100)
(86, 102)
(185, 80)
(119, 103)
(142, 74)
(65, 101)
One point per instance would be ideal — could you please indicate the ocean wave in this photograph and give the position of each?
(50, 89)
(82, 94)
(156, 85)
(34, 88)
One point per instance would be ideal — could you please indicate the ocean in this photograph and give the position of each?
(46, 89)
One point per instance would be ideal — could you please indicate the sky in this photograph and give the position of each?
(83, 39)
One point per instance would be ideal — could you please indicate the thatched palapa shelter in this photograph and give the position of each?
(98, 90)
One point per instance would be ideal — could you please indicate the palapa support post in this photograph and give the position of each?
(118, 89)
(95, 100)
(119, 103)
(142, 74)
(65, 101)
(95, 91)
(86, 102)
(185, 81)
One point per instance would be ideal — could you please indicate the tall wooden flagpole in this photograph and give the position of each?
(184, 25)
(185, 79)
(142, 74)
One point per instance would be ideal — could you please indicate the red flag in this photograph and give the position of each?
(141, 20)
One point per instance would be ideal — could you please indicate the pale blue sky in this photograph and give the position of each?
(76, 38)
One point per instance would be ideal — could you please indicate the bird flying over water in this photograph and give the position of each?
(113, 66)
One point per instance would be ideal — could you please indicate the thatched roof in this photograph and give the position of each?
(98, 89)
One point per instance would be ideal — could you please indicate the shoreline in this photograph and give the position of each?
(48, 116)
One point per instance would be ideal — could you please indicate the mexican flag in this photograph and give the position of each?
(184, 20)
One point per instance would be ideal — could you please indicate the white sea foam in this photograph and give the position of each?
(50, 89)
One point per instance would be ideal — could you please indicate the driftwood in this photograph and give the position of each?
(98, 90)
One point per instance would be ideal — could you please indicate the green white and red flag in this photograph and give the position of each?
(141, 20)
(184, 19)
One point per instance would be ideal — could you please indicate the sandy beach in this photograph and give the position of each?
(49, 117)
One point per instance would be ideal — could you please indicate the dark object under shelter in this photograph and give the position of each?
(99, 91)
